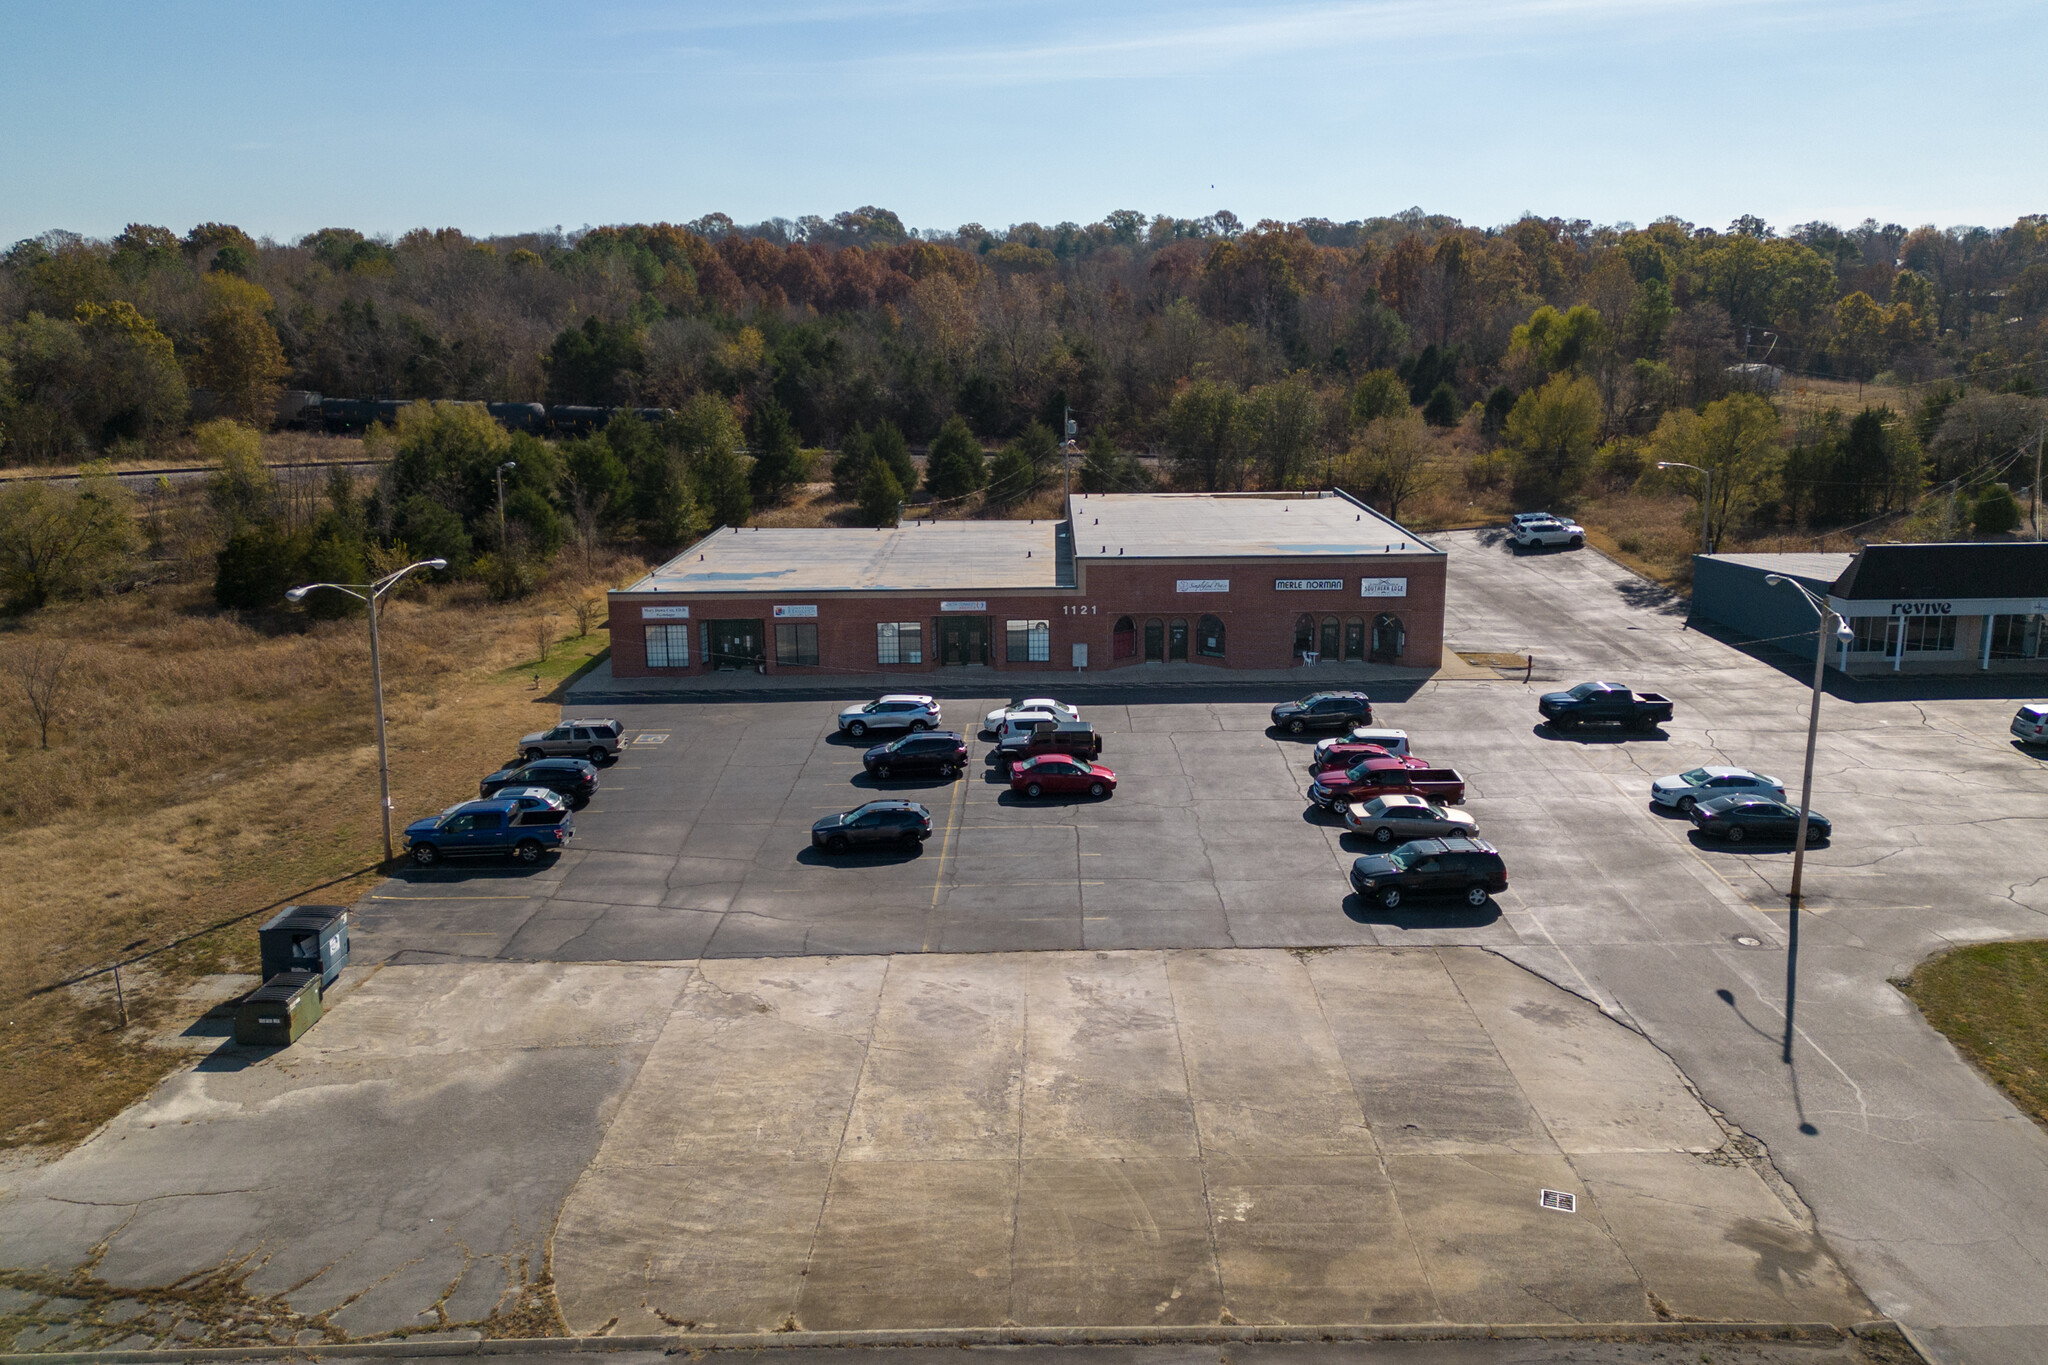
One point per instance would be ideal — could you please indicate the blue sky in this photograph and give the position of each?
(510, 116)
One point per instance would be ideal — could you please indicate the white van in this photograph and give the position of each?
(2030, 724)
(1394, 742)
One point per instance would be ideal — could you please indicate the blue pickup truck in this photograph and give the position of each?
(486, 828)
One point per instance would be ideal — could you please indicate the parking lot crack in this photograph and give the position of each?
(1187, 1072)
(839, 1147)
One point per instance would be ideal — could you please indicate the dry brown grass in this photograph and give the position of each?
(205, 770)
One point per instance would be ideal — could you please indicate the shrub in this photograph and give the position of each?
(881, 497)
(1995, 511)
(955, 466)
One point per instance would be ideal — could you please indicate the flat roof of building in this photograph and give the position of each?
(1234, 526)
(1824, 567)
(928, 556)
(1999, 569)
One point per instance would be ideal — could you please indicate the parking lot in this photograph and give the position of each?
(701, 1168)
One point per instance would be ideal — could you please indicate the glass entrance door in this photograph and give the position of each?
(962, 640)
(735, 644)
(1177, 641)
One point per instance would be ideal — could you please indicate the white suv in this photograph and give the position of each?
(1020, 724)
(1531, 534)
(897, 711)
(2030, 723)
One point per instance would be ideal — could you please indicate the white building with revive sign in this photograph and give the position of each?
(1965, 608)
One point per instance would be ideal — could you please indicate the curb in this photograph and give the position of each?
(967, 1337)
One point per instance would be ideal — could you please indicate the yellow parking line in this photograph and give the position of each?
(946, 842)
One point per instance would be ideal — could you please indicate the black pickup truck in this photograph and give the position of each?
(1602, 703)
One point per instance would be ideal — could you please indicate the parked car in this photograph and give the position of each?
(1334, 777)
(1022, 724)
(614, 728)
(1343, 754)
(1324, 711)
(489, 828)
(529, 798)
(1397, 819)
(1075, 738)
(2030, 723)
(1436, 785)
(1604, 703)
(574, 778)
(1519, 519)
(1393, 741)
(1046, 704)
(903, 823)
(1471, 868)
(1057, 774)
(1736, 818)
(1531, 535)
(897, 711)
(1687, 789)
(935, 751)
(570, 739)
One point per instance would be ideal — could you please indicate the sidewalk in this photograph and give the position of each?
(598, 685)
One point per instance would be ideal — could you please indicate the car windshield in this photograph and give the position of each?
(1584, 690)
(1695, 777)
(1402, 858)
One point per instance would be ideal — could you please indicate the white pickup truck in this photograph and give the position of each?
(1557, 531)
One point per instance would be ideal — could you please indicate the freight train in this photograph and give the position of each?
(310, 411)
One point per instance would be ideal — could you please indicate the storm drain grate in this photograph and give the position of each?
(1560, 1201)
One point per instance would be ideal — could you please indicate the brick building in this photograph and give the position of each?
(1249, 581)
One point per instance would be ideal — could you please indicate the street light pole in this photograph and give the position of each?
(499, 475)
(1820, 663)
(367, 594)
(1706, 499)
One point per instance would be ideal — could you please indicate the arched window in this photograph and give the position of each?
(1389, 638)
(1177, 640)
(1124, 643)
(1354, 638)
(1304, 635)
(1209, 637)
(1330, 640)
(1155, 641)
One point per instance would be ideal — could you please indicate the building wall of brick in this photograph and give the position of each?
(1259, 619)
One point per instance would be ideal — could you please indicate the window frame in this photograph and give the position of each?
(802, 644)
(673, 640)
(899, 642)
(1028, 641)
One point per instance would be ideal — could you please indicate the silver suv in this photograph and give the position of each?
(897, 711)
(596, 740)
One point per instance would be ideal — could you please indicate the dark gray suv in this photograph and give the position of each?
(904, 823)
(1324, 711)
(1470, 868)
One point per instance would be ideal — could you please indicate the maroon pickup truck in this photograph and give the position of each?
(1333, 788)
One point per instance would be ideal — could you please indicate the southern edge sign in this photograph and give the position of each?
(1382, 587)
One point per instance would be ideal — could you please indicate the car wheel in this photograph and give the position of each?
(1033, 789)
(1383, 835)
(1645, 724)
(1096, 789)
(1391, 897)
(948, 771)
(1685, 805)
(528, 851)
(1577, 542)
(918, 726)
(1296, 726)
(882, 771)
(1736, 834)
(597, 755)
(836, 844)
(425, 855)
(857, 729)
(1560, 724)
(1475, 896)
(535, 755)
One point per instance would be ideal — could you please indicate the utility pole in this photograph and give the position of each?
(499, 475)
(2034, 511)
(1067, 430)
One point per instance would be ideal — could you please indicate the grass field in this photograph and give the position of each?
(204, 770)
(1991, 1000)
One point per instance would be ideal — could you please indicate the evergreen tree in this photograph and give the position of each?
(881, 497)
(851, 468)
(779, 463)
(955, 466)
(1442, 408)
(890, 447)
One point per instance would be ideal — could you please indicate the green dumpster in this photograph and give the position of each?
(278, 1011)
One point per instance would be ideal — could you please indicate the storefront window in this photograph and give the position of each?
(1030, 642)
(1930, 634)
(899, 642)
(668, 646)
(1209, 637)
(796, 644)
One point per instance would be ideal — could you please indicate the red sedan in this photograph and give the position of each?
(1343, 754)
(1061, 775)
(1334, 775)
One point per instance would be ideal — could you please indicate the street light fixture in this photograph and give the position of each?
(1842, 634)
(1706, 497)
(368, 593)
